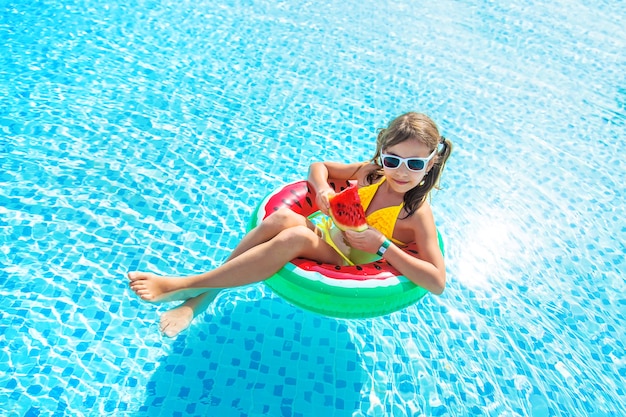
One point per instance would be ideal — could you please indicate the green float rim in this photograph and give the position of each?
(323, 294)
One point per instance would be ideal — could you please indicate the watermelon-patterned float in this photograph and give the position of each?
(359, 291)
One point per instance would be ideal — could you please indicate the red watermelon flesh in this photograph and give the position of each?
(347, 211)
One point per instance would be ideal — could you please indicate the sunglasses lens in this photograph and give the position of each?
(391, 162)
(415, 164)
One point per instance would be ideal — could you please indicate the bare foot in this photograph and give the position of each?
(155, 289)
(176, 320)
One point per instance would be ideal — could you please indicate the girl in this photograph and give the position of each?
(393, 186)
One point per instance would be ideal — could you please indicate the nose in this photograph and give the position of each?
(403, 168)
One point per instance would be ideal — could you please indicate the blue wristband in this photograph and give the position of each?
(383, 248)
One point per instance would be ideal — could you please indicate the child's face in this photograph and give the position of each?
(403, 179)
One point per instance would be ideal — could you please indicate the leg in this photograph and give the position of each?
(179, 318)
(256, 264)
(270, 227)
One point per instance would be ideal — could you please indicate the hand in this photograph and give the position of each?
(367, 241)
(322, 199)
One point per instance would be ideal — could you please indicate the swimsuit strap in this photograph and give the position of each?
(383, 219)
(366, 194)
(325, 225)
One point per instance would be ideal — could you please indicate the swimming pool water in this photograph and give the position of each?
(142, 134)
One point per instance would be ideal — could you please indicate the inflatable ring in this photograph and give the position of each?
(358, 291)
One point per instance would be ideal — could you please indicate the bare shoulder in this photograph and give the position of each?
(365, 169)
(423, 219)
(420, 227)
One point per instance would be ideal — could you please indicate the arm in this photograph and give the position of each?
(320, 172)
(427, 268)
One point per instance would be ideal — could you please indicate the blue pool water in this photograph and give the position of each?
(142, 134)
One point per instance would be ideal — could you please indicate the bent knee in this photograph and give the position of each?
(285, 218)
(298, 238)
(302, 242)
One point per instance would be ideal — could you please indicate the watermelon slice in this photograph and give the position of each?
(346, 210)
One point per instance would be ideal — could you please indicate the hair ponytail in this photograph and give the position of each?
(415, 197)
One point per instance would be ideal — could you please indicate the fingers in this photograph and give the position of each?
(324, 207)
(355, 238)
(323, 201)
(364, 240)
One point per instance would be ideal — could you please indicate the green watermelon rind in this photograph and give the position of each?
(323, 293)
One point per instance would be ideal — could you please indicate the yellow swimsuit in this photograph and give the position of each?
(384, 220)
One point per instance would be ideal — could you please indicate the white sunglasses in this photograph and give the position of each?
(413, 164)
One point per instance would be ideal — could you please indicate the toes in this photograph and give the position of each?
(145, 295)
(142, 292)
(168, 328)
(138, 276)
(170, 333)
(141, 284)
